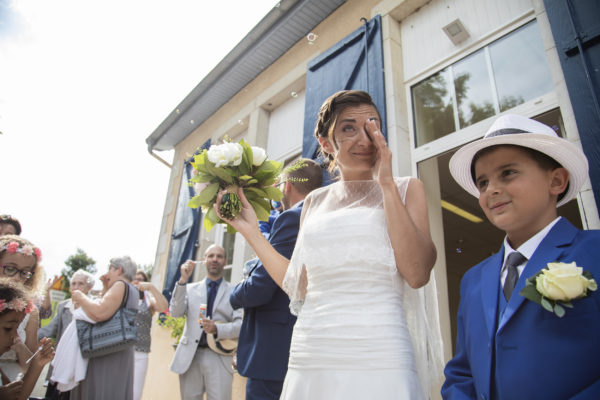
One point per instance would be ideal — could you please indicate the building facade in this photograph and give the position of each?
(440, 72)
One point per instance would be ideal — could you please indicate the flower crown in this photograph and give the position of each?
(16, 305)
(28, 250)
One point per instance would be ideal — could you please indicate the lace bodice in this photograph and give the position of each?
(348, 294)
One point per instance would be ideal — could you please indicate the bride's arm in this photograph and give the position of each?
(407, 223)
(246, 223)
(408, 229)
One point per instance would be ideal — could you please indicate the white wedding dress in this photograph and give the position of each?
(351, 339)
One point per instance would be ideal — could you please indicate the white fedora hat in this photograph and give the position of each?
(517, 130)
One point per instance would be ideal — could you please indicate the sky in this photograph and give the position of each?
(83, 83)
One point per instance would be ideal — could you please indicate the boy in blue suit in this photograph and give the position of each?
(509, 347)
(266, 333)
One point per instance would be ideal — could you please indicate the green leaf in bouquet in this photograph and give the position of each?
(219, 173)
(194, 202)
(200, 161)
(273, 193)
(252, 182)
(208, 193)
(201, 178)
(262, 208)
(247, 158)
(259, 192)
(210, 219)
(245, 177)
(231, 171)
(269, 181)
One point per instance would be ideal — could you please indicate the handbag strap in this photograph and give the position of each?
(125, 295)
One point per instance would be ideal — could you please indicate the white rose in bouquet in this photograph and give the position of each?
(259, 156)
(226, 154)
(563, 282)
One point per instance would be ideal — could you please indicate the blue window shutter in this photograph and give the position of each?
(344, 67)
(575, 27)
(185, 229)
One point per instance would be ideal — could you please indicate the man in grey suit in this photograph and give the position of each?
(202, 370)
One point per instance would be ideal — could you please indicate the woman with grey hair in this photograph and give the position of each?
(111, 376)
(84, 282)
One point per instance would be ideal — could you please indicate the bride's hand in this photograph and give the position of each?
(246, 221)
(382, 168)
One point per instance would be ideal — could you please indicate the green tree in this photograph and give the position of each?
(77, 261)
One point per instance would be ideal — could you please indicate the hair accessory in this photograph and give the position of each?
(28, 250)
(511, 129)
(16, 305)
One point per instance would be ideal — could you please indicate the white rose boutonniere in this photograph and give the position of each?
(556, 285)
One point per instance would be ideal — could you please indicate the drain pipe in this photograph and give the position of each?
(153, 154)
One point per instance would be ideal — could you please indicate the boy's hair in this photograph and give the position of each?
(14, 296)
(34, 283)
(305, 174)
(544, 161)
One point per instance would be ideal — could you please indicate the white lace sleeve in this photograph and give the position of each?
(422, 317)
(295, 282)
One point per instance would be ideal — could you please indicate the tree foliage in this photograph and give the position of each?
(77, 261)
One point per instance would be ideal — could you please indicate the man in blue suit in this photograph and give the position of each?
(264, 341)
(509, 347)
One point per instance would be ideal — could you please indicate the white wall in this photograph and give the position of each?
(424, 43)
(286, 125)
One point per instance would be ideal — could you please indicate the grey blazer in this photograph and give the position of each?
(186, 301)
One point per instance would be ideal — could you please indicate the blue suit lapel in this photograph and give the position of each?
(549, 250)
(490, 287)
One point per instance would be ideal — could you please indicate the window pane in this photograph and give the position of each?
(228, 245)
(520, 67)
(473, 90)
(433, 108)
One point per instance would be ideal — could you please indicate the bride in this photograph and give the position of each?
(364, 328)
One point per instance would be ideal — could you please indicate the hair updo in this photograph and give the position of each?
(332, 108)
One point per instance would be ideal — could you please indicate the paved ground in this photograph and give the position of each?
(40, 389)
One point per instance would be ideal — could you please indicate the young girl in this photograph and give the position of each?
(15, 304)
(19, 262)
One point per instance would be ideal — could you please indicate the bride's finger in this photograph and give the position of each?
(374, 132)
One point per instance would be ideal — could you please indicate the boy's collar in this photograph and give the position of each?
(529, 247)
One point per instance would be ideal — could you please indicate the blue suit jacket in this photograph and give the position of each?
(264, 342)
(537, 354)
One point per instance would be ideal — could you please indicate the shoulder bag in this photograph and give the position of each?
(115, 334)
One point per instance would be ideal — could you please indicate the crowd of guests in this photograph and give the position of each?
(340, 302)
(29, 347)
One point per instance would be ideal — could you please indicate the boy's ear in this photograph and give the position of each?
(559, 181)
